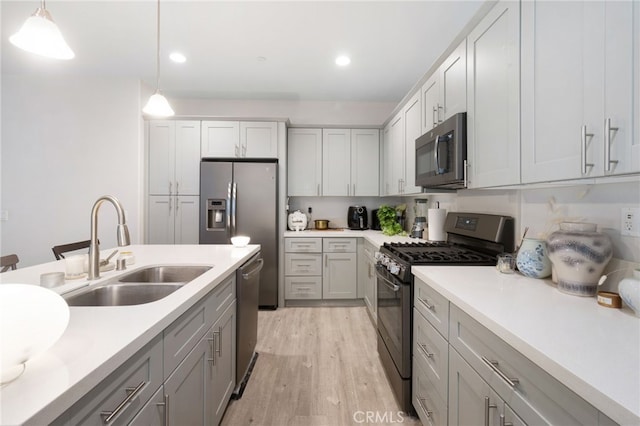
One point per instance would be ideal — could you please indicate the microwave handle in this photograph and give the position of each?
(436, 154)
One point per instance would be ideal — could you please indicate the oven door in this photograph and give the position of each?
(394, 318)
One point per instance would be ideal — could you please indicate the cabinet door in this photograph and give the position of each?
(222, 381)
(493, 95)
(560, 59)
(365, 162)
(187, 158)
(619, 153)
(470, 398)
(161, 157)
(259, 139)
(187, 388)
(453, 82)
(304, 162)
(220, 139)
(385, 181)
(430, 103)
(339, 276)
(154, 411)
(186, 220)
(412, 131)
(160, 226)
(336, 162)
(396, 152)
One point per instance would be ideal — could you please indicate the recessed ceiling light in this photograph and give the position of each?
(343, 60)
(261, 59)
(178, 57)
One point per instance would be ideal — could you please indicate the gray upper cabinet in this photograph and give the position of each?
(493, 98)
(304, 162)
(174, 157)
(365, 162)
(336, 162)
(577, 71)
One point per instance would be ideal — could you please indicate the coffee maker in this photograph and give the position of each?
(357, 218)
(420, 221)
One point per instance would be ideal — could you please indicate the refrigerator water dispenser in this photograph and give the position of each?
(216, 214)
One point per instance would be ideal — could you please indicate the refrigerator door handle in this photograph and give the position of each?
(234, 203)
(230, 213)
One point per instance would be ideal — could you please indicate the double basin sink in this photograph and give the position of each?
(141, 286)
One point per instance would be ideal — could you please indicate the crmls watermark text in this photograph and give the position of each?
(378, 417)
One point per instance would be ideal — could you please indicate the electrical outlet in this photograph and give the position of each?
(630, 222)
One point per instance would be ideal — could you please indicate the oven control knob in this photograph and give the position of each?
(394, 268)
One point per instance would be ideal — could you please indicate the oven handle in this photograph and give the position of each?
(391, 285)
(437, 155)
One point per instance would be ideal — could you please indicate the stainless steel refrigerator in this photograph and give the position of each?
(241, 198)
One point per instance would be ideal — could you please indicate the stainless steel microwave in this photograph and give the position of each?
(441, 154)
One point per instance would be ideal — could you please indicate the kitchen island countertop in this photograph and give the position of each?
(99, 339)
(591, 349)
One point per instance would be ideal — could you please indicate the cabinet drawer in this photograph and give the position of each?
(182, 336)
(432, 351)
(535, 395)
(142, 372)
(431, 408)
(339, 245)
(302, 264)
(303, 288)
(432, 305)
(303, 245)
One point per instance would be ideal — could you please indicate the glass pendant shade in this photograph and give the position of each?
(40, 35)
(158, 106)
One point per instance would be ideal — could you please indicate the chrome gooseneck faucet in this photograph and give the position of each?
(122, 231)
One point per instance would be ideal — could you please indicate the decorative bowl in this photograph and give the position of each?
(32, 319)
(240, 241)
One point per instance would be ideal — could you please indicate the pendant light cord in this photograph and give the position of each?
(158, 50)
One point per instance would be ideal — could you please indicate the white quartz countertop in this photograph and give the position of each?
(593, 350)
(376, 238)
(99, 339)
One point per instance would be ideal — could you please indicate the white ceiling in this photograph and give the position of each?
(391, 45)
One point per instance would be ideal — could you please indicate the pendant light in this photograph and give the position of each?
(40, 35)
(158, 106)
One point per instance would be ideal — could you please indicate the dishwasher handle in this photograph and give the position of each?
(254, 271)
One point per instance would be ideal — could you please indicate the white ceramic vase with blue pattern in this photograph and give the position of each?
(579, 255)
(532, 259)
(629, 289)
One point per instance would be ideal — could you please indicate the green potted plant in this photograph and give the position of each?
(388, 217)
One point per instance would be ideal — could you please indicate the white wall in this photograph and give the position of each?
(65, 142)
(299, 113)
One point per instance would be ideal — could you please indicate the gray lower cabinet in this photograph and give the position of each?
(463, 374)
(222, 379)
(471, 399)
(184, 376)
(320, 268)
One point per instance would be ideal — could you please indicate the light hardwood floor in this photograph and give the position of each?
(316, 366)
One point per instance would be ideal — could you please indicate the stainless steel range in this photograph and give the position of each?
(472, 239)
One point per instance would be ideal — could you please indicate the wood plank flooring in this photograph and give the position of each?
(316, 367)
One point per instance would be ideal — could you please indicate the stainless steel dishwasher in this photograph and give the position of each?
(248, 290)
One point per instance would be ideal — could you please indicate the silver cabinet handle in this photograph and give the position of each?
(440, 107)
(237, 150)
(165, 404)
(318, 189)
(170, 187)
(425, 350)
(426, 303)
(423, 404)
(212, 345)
(107, 416)
(487, 406)
(354, 189)
(219, 345)
(244, 150)
(494, 366)
(502, 421)
(326, 260)
(170, 204)
(177, 187)
(607, 144)
(433, 116)
(304, 288)
(584, 150)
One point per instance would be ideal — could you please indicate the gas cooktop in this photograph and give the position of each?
(435, 253)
